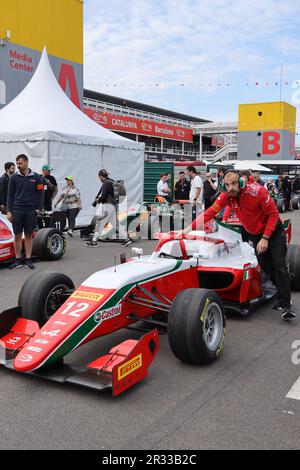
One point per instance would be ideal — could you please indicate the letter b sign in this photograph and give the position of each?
(271, 143)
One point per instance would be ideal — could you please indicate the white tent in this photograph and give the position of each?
(43, 123)
(244, 165)
(250, 165)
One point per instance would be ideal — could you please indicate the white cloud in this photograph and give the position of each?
(191, 42)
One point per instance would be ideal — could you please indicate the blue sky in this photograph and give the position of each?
(138, 44)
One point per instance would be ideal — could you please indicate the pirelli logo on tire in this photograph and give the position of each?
(130, 366)
(87, 296)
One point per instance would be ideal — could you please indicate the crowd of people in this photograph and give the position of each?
(25, 195)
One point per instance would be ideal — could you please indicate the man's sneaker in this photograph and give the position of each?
(127, 242)
(91, 244)
(287, 314)
(70, 233)
(28, 264)
(277, 306)
(16, 264)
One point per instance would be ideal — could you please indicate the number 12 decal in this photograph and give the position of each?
(81, 307)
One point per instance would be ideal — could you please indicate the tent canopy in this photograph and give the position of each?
(250, 165)
(43, 123)
(42, 111)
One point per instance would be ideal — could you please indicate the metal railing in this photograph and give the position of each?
(159, 150)
(103, 106)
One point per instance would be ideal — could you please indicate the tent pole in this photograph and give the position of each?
(48, 152)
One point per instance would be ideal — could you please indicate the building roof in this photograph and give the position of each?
(140, 106)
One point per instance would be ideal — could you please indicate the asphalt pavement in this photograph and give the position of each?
(239, 402)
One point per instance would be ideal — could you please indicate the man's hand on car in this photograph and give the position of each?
(262, 246)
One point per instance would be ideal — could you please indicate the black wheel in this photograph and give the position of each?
(49, 243)
(295, 203)
(196, 326)
(41, 295)
(280, 205)
(294, 266)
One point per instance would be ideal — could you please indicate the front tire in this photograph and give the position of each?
(196, 326)
(40, 296)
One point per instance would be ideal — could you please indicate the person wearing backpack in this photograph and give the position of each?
(106, 212)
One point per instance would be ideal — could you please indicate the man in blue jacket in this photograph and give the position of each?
(25, 200)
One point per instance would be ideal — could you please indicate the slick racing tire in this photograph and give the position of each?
(280, 205)
(294, 266)
(41, 295)
(295, 203)
(49, 244)
(196, 326)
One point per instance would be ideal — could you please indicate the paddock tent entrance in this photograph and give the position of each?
(44, 124)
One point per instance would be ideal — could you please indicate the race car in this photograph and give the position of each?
(48, 243)
(182, 288)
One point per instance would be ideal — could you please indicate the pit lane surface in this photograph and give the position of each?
(237, 403)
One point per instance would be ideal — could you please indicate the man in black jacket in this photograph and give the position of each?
(209, 190)
(182, 188)
(9, 170)
(287, 190)
(24, 201)
(106, 211)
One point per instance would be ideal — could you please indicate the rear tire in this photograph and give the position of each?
(295, 203)
(294, 266)
(280, 205)
(40, 295)
(196, 326)
(49, 244)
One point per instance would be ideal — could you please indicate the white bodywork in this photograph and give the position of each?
(231, 253)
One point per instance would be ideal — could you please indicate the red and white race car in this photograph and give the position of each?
(48, 243)
(183, 287)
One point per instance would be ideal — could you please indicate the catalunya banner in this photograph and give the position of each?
(117, 122)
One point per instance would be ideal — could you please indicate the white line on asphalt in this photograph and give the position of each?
(294, 393)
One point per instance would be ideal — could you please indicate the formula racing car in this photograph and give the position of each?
(182, 288)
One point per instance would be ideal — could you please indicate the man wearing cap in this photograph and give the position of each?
(106, 210)
(50, 187)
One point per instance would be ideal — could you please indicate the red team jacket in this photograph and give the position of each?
(254, 207)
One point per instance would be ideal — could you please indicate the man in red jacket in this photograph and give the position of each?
(259, 216)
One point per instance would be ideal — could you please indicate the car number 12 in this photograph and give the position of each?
(80, 307)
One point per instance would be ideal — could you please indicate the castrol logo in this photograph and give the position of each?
(107, 314)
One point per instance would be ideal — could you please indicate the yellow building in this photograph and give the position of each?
(25, 28)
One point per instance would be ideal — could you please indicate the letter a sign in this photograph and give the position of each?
(67, 75)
